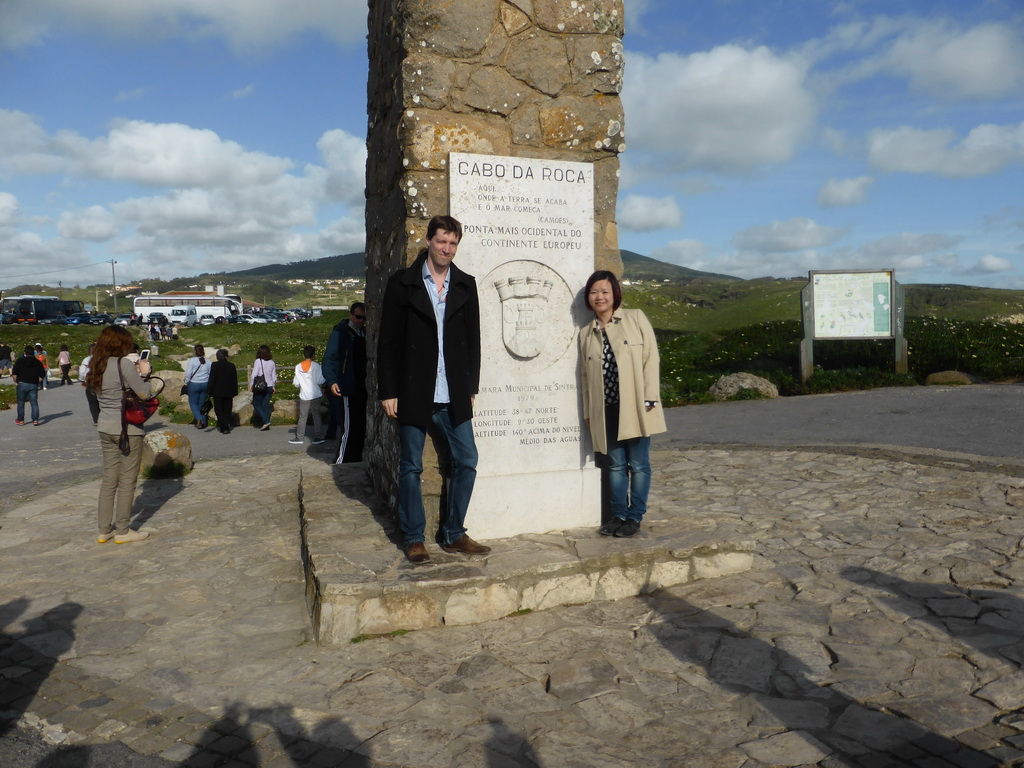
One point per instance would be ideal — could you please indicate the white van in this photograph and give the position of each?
(184, 314)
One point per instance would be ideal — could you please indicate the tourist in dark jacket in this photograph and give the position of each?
(27, 374)
(222, 387)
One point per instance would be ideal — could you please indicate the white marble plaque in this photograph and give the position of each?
(529, 241)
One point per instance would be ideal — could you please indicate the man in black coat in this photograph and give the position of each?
(344, 366)
(428, 371)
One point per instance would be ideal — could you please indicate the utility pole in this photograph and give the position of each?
(113, 280)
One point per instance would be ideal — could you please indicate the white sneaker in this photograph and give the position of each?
(296, 441)
(318, 441)
(126, 538)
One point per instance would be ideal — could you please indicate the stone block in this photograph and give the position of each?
(581, 16)
(492, 89)
(792, 748)
(398, 611)
(433, 135)
(458, 30)
(668, 574)
(721, 564)
(730, 386)
(585, 676)
(559, 590)
(540, 61)
(513, 20)
(597, 61)
(428, 80)
(594, 123)
(617, 583)
(479, 604)
(164, 447)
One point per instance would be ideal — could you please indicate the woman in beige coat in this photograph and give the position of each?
(621, 400)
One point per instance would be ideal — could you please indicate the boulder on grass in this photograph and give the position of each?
(730, 386)
(955, 378)
(162, 448)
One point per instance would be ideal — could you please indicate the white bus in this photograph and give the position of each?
(218, 305)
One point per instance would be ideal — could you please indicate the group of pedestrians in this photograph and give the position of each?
(428, 372)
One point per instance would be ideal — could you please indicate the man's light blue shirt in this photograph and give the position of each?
(441, 394)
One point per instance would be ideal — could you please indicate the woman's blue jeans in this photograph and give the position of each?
(462, 448)
(261, 406)
(629, 469)
(196, 397)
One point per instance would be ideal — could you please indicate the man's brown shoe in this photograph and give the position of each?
(417, 553)
(466, 545)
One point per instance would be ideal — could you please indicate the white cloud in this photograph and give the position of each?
(797, 234)
(946, 261)
(839, 192)
(170, 154)
(95, 224)
(241, 93)
(990, 263)
(245, 24)
(344, 158)
(640, 213)
(8, 209)
(907, 244)
(987, 149)
(686, 253)
(132, 95)
(729, 108)
(984, 62)
(938, 57)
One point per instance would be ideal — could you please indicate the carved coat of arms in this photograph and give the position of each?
(524, 314)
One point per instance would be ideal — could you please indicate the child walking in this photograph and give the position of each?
(309, 379)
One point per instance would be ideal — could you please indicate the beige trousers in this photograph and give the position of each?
(117, 485)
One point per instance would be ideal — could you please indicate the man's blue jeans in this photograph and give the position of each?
(629, 469)
(462, 448)
(30, 392)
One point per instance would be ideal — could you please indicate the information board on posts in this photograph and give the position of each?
(856, 304)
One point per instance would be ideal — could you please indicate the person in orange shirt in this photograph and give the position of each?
(43, 358)
(309, 379)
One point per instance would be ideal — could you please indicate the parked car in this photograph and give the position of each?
(80, 318)
(55, 320)
(104, 319)
(157, 317)
(207, 320)
(250, 319)
(123, 320)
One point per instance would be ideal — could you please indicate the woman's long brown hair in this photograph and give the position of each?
(114, 341)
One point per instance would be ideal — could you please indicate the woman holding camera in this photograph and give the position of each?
(108, 367)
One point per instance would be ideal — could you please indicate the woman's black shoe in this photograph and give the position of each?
(627, 529)
(609, 528)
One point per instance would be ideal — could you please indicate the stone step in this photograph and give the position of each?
(359, 583)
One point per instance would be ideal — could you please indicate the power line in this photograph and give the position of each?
(53, 271)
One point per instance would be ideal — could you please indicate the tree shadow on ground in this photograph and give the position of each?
(29, 656)
(989, 620)
(801, 709)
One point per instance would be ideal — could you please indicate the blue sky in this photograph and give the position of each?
(764, 137)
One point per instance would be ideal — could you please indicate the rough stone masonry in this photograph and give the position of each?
(522, 78)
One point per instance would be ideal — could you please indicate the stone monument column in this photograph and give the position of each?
(530, 87)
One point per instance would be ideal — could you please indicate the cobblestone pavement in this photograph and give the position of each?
(880, 626)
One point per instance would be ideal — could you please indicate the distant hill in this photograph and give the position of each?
(637, 267)
(347, 265)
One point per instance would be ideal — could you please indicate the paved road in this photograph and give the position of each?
(984, 420)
